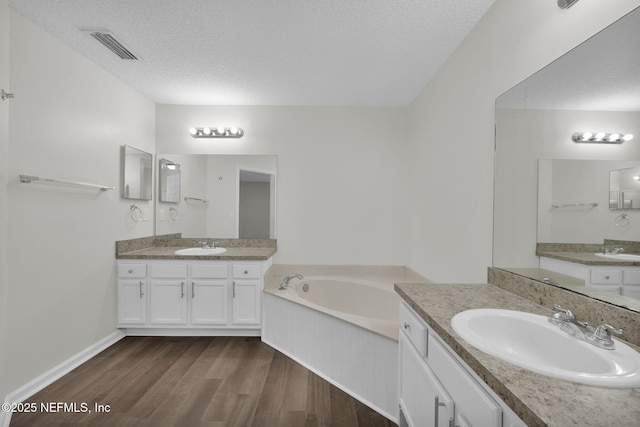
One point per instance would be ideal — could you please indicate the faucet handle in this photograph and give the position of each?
(203, 245)
(602, 332)
(214, 244)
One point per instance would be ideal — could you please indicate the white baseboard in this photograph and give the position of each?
(57, 372)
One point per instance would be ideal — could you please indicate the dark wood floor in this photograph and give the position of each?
(195, 381)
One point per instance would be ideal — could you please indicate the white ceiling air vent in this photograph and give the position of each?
(111, 42)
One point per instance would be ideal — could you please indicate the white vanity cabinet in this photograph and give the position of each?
(170, 297)
(436, 388)
(132, 291)
(622, 280)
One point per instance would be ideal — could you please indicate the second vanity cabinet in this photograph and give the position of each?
(190, 297)
(622, 280)
(436, 388)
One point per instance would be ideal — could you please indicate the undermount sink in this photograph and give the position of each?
(201, 251)
(530, 341)
(622, 257)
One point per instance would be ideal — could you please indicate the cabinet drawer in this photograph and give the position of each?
(414, 328)
(210, 271)
(132, 270)
(246, 271)
(169, 271)
(631, 277)
(472, 402)
(605, 277)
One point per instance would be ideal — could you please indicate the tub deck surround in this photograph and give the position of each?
(537, 399)
(164, 247)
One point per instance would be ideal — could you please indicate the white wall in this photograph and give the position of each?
(452, 127)
(342, 175)
(4, 224)
(67, 121)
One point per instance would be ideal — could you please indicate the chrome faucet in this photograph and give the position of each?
(567, 322)
(285, 280)
(207, 245)
(614, 251)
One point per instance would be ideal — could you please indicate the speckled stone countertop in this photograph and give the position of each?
(584, 253)
(587, 258)
(254, 254)
(164, 247)
(537, 399)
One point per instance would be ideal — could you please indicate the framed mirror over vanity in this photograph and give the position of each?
(560, 199)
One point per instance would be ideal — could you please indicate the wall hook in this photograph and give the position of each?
(4, 95)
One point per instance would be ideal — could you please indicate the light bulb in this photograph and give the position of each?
(206, 131)
(233, 131)
(587, 136)
(599, 136)
(220, 131)
(628, 137)
(193, 131)
(614, 137)
(637, 177)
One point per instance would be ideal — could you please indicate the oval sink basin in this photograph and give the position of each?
(200, 251)
(621, 257)
(530, 341)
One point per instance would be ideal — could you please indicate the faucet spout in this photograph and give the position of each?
(285, 280)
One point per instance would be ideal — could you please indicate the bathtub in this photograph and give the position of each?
(369, 304)
(341, 324)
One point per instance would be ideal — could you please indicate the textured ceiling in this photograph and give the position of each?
(267, 52)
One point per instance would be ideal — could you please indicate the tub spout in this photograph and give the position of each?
(285, 280)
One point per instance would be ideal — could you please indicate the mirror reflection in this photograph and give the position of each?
(169, 177)
(223, 196)
(137, 176)
(624, 188)
(536, 120)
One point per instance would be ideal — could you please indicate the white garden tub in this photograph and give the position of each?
(341, 324)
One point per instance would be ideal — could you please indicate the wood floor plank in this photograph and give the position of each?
(199, 382)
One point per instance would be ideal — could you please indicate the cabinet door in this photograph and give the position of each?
(132, 302)
(209, 302)
(246, 302)
(632, 291)
(168, 302)
(423, 400)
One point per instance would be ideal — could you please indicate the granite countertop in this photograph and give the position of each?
(586, 258)
(537, 399)
(168, 252)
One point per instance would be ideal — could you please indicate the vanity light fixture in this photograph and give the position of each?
(601, 137)
(566, 4)
(216, 132)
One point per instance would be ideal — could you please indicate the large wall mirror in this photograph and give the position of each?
(222, 196)
(595, 87)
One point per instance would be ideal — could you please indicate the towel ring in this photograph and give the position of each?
(622, 220)
(173, 214)
(135, 213)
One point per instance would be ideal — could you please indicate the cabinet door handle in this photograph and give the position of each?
(181, 289)
(407, 326)
(234, 288)
(193, 289)
(141, 292)
(437, 406)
